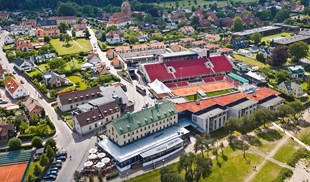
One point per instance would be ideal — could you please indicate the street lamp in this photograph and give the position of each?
(163, 162)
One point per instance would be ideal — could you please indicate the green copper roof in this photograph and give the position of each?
(139, 119)
(237, 77)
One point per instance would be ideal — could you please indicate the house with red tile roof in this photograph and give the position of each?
(93, 58)
(51, 31)
(118, 63)
(23, 45)
(187, 30)
(15, 89)
(122, 18)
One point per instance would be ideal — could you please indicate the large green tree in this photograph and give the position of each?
(279, 56)
(169, 175)
(63, 27)
(67, 9)
(37, 170)
(37, 142)
(256, 38)
(56, 63)
(15, 143)
(43, 160)
(238, 24)
(298, 50)
(50, 153)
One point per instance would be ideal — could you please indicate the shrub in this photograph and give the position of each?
(284, 173)
(15, 143)
(301, 153)
(112, 175)
(36, 142)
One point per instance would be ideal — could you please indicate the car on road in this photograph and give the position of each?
(22, 82)
(14, 72)
(108, 68)
(152, 96)
(2, 101)
(62, 158)
(62, 153)
(49, 177)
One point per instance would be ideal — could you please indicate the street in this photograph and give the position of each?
(75, 145)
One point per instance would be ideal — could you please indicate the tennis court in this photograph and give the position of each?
(13, 172)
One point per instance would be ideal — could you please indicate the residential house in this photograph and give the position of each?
(93, 58)
(122, 18)
(46, 23)
(291, 88)
(176, 48)
(140, 47)
(9, 39)
(33, 106)
(114, 37)
(30, 23)
(96, 119)
(296, 71)
(4, 14)
(110, 54)
(15, 89)
(298, 8)
(205, 23)
(47, 31)
(212, 47)
(118, 63)
(2, 72)
(6, 131)
(84, 21)
(44, 57)
(187, 40)
(71, 100)
(70, 20)
(225, 50)
(171, 26)
(23, 45)
(122, 49)
(52, 79)
(199, 43)
(22, 65)
(79, 26)
(187, 30)
(18, 30)
(157, 45)
(212, 37)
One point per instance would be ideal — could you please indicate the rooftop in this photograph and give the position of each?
(254, 30)
(292, 39)
(237, 77)
(133, 121)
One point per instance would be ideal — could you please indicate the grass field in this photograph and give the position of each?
(286, 151)
(189, 3)
(268, 173)
(250, 61)
(235, 167)
(208, 94)
(270, 37)
(78, 81)
(77, 46)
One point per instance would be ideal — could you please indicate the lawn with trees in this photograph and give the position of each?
(75, 46)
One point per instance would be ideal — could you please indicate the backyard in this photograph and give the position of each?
(77, 46)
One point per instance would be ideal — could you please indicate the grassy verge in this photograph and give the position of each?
(31, 168)
(216, 93)
(268, 173)
(286, 151)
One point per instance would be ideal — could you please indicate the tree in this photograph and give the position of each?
(73, 32)
(103, 36)
(298, 50)
(305, 2)
(279, 56)
(77, 176)
(256, 38)
(63, 27)
(67, 38)
(195, 20)
(284, 110)
(282, 15)
(56, 63)
(87, 34)
(260, 57)
(37, 170)
(238, 24)
(50, 153)
(36, 142)
(15, 143)
(281, 76)
(132, 39)
(47, 39)
(43, 160)
(263, 116)
(199, 144)
(100, 179)
(91, 178)
(110, 28)
(185, 163)
(169, 175)
(222, 147)
(34, 119)
(231, 124)
(297, 106)
(202, 168)
(66, 9)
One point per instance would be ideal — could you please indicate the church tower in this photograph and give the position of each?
(126, 8)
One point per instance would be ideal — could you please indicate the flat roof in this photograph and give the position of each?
(244, 104)
(213, 112)
(177, 54)
(254, 30)
(272, 101)
(145, 144)
(237, 77)
(292, 39)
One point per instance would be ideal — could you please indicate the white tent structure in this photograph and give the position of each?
(159, 87)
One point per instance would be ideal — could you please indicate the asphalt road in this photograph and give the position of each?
(75, 145)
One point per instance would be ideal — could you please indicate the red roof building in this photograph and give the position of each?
(122, 18)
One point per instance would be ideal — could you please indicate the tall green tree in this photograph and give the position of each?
(282, 15)
(63, 27)
(238, 24)
(50, 153)
(50, 142)
(37, 170)
(15, 143)
(279, 56)
(263, 116)
(284, 110)
(36, 142)
(298, 50)
(297, 106)
(67, 9)
(169, 175)
(256, 38)
(43, 160)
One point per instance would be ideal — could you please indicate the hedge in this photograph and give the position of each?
(301, 153)
(284, 174)
(112, 175)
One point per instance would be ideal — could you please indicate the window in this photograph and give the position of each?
(96, 125)
(152, 125)
(117, 115)
(124, 136)
(140, 129)
(112, 117)
(149, 126)
(156, 124)
(128, 134)
(112, 129)
(106, 119)
(89, 127)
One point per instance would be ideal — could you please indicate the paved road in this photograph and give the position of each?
(134, 96)
(75, 145)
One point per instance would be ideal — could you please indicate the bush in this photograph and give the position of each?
(112, 175)
(301, 153)
(284, 174)
(15, 143)
(36, 142)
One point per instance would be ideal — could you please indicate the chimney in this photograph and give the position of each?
(208, 53)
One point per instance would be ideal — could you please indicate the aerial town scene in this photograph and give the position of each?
(155, 90)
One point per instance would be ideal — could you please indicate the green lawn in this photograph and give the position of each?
(77, 46)
(234, 169)
(286, 151)
(216, 93)
(31, 168)
(189, 4)
(304, 86)
(33, 72)
(268, 173)
(250, 61)
(69, 65)
(270, 37)
(78, 81)
(191, 97)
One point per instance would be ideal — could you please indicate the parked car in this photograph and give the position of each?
(62, 158)
(62, 153)
(22, 82)
(50, 177)
(52, 173)
(14, 72)
(57, 165)
(2, 101)
(54, 169)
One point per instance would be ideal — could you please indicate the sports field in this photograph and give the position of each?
(209, 87)
(13, 172)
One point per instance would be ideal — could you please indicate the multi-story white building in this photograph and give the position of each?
(242, 108)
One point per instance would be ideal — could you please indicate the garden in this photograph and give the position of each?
(75, 46)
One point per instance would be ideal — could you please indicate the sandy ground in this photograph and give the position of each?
(301, 171)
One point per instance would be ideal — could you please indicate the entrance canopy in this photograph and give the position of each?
(159, 87)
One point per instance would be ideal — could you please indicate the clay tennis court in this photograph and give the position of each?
(209, 87)
(13, 172)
